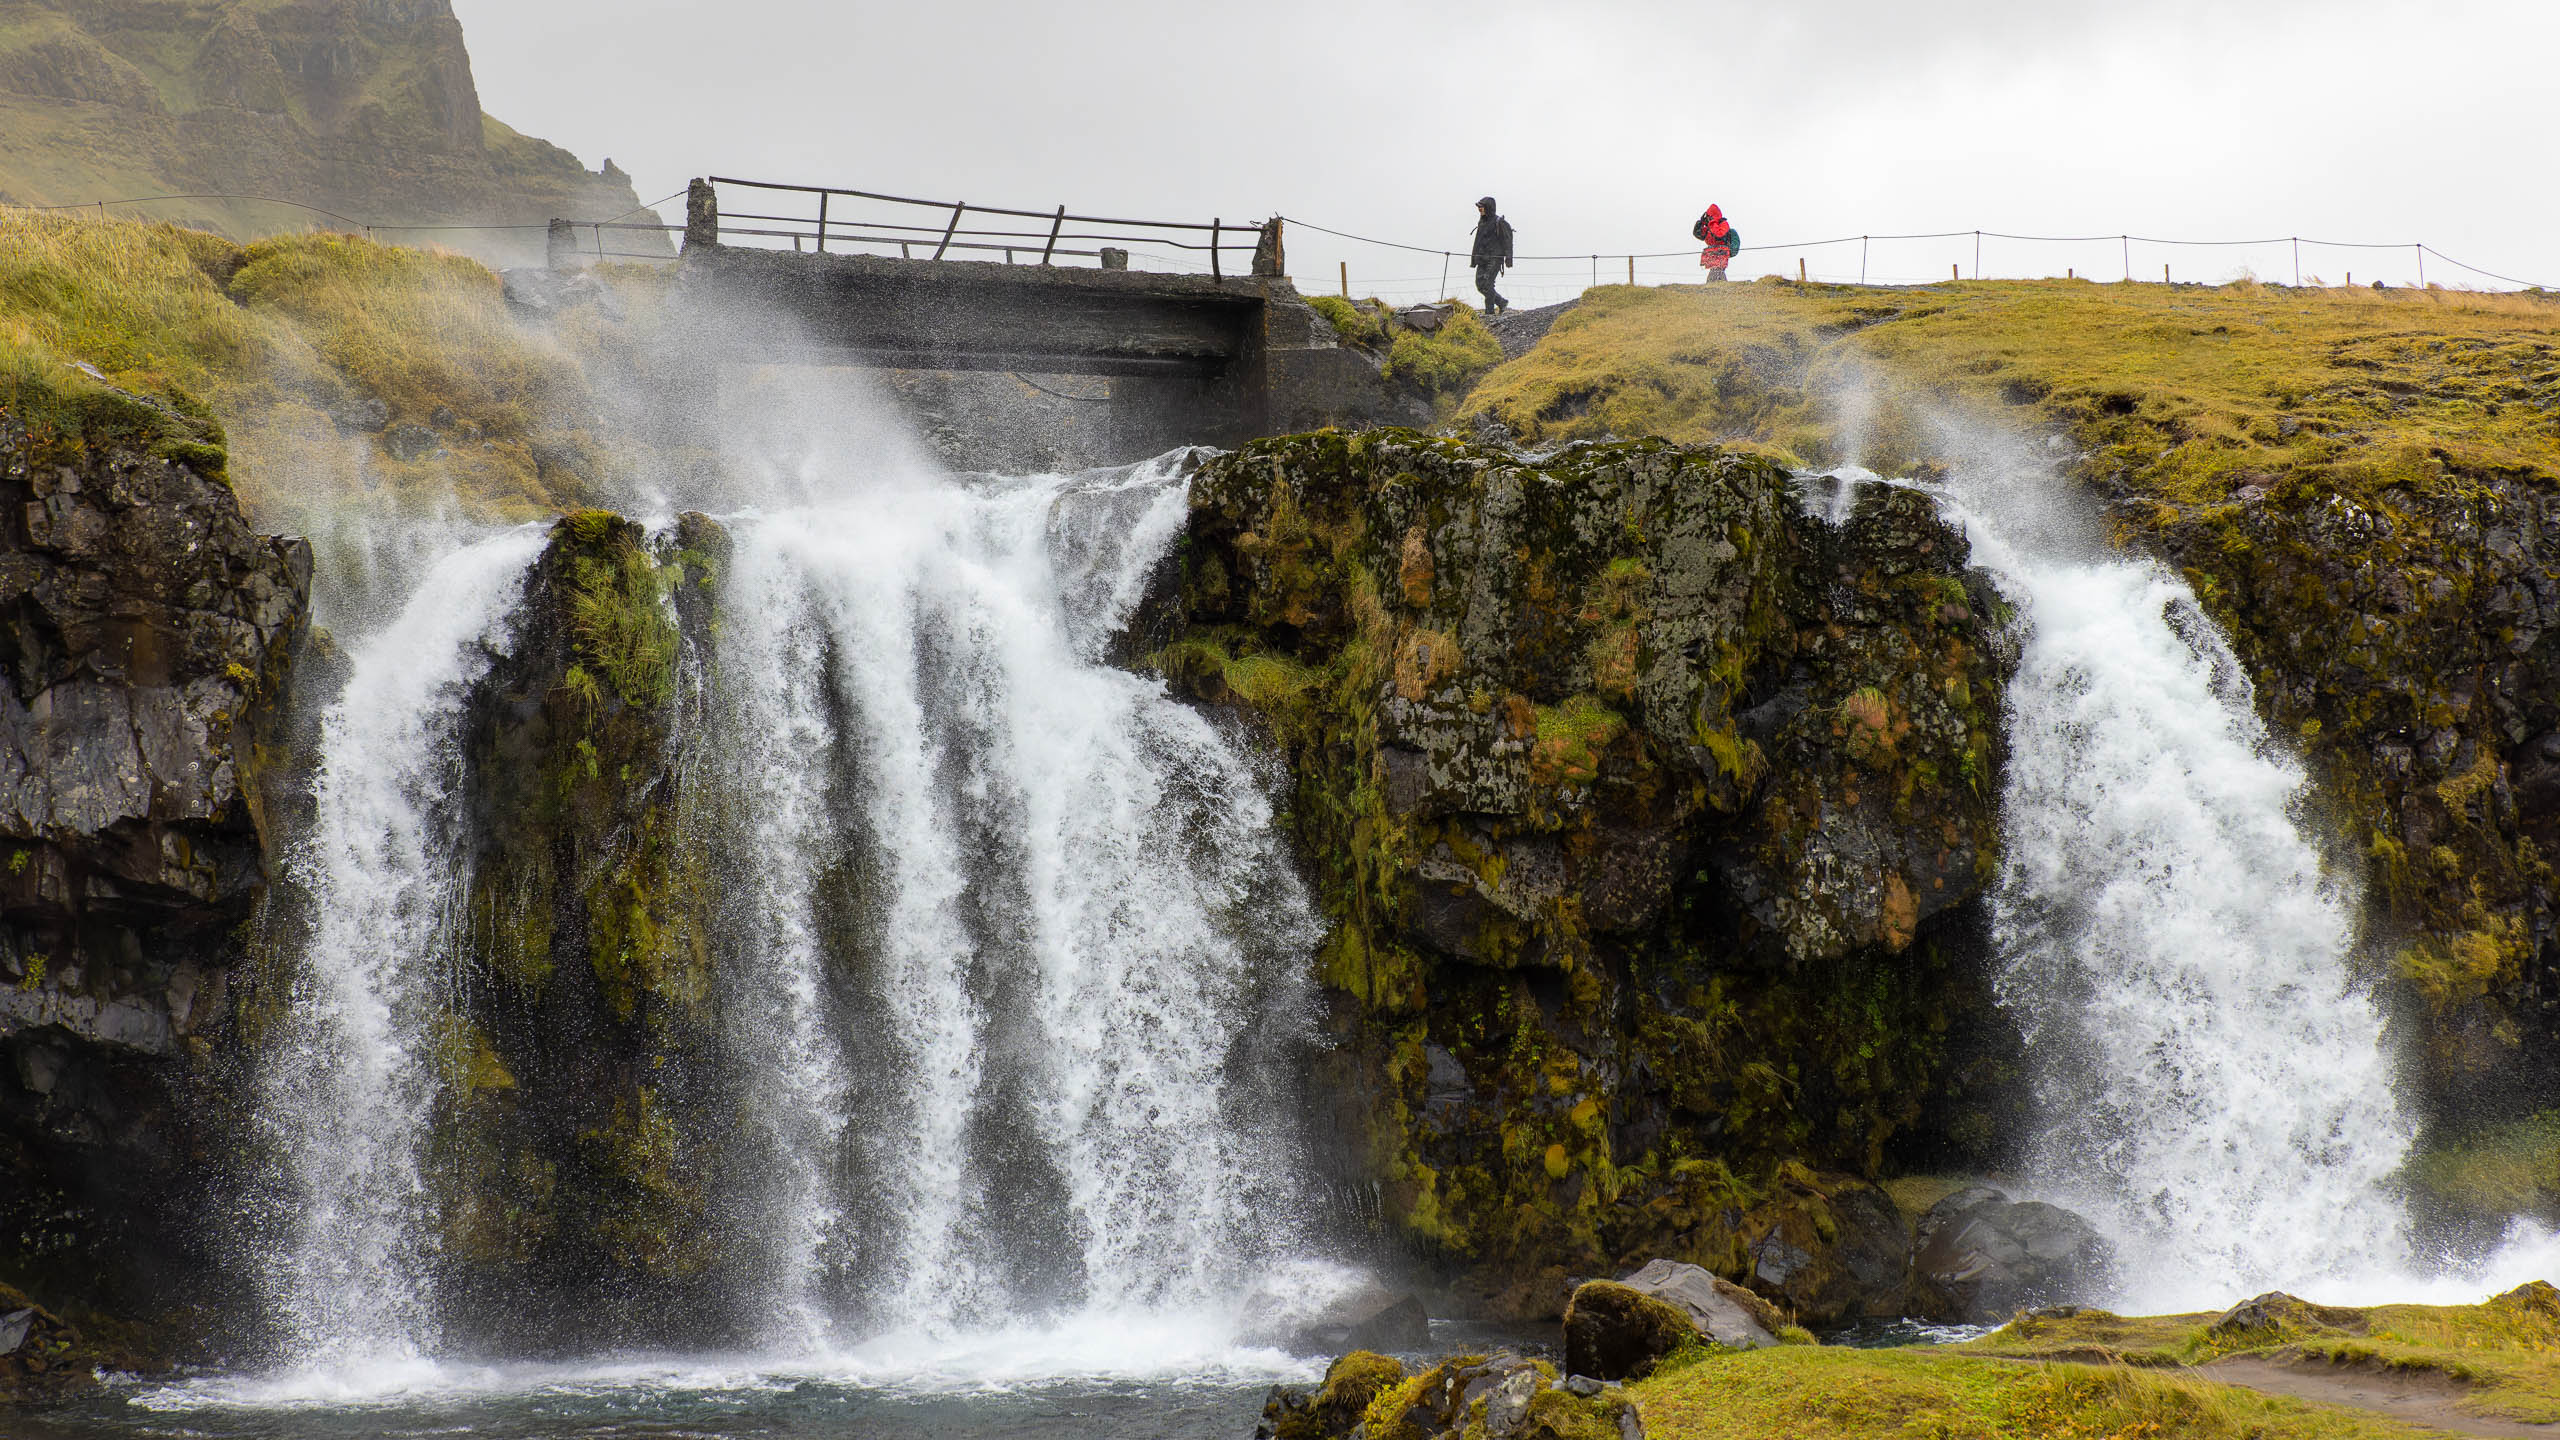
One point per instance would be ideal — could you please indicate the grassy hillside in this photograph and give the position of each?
(2095, 1376)
(338, 367)
(367, 109)
(2189, 389)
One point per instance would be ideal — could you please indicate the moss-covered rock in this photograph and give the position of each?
(577, 1131)
(1652, 815)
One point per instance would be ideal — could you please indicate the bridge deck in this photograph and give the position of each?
(975, 315)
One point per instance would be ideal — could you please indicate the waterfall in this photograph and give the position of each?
(1017, 919)
(349, 1082)
(2214, 1084)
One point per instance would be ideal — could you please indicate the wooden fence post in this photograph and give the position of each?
(1346, 279)
(1799, 269)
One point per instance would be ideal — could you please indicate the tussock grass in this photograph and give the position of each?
(1834, 1393)
(316, 351)
(2197, 387)
(2506, 1350)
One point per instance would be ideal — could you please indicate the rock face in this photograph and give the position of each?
(148, 637)
(1652, 815)
(576, 1135)
(1984, 1257)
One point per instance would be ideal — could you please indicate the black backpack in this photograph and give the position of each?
(1732, 234)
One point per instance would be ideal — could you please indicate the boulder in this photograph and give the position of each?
(2277, 1313)
(1616, 1332)
(1983, 1257)
(1836, 1251)
(1723, 1311)
(1350, 1383)
(1368, 1316)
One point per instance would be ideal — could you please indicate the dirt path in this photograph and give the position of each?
(2411, 1397)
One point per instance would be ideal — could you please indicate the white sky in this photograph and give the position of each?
(1607, 125)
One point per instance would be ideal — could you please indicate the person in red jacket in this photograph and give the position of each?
(1722, 240)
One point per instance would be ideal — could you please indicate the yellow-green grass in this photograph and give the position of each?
(2194, 388)
(1836, 1393)
(2504, 1353)
(279, 338)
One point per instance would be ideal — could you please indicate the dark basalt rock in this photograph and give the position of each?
(1984, 1257)
(146, 635)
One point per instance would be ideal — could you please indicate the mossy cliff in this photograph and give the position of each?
(147, 635)
(2364, 490)
(578, 1132)
(1652, 817)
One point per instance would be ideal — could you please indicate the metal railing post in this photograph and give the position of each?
(701, 214)
(951, 229)
(822, 222)
(1054, 227)
(1214, 272)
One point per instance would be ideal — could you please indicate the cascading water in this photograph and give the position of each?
(2215, 1086)
(348, 1087)
(1016, 909)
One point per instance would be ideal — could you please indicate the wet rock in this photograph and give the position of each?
(1370, 1316)
(1724, 1312)
(1841, 1250)
(147, 634)
(409, 442)
(364, 414)
(1983, 1257)
(1334, 1409)
(1616, 1332)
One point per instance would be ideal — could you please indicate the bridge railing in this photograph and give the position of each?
(827, 219)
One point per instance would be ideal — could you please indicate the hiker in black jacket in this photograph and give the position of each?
(1492, 254)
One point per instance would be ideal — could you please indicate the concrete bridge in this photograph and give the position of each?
(1212, 359)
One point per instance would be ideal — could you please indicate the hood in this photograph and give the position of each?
(1487, 204)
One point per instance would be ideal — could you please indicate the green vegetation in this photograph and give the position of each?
(2509, 1169)
(1443, 362)
(2190, 389)
(328, 366)
(1834, 1393)
(2504, 1353)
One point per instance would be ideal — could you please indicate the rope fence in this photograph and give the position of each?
(1880, 259)
(1886, 259)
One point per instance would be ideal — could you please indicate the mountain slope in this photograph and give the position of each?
(366, 108)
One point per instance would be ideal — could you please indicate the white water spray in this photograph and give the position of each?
(2215, 1086)
(348, 1089)
(1011, 900)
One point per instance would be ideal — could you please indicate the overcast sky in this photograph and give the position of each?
(1605, 126)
